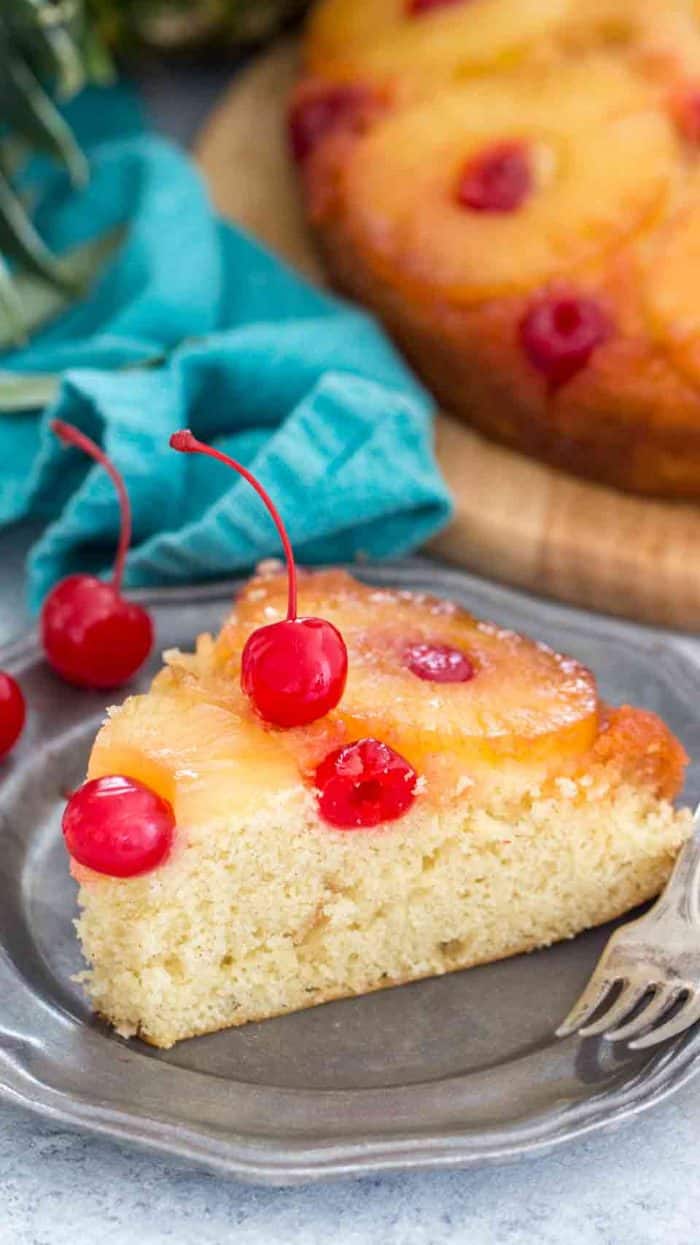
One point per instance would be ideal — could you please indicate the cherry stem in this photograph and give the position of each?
(187, 443)
(72, 436)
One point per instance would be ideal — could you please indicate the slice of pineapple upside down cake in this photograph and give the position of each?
(468, 798)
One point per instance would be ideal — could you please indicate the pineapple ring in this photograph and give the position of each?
(655, 30)
(382, 43)
(178, 741)
(670, 290)
(587, 198)
(350, 38)
(525, 704)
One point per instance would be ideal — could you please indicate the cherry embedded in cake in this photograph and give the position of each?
(419, 826)
(92, 636)
(438, 663)
(559, 333)
(418, 8)
(364, 784)
(322, 111)
(498, 179)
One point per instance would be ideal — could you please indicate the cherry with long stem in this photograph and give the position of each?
(91, 635)
(293, 671)
(70, 435)
(187, 443)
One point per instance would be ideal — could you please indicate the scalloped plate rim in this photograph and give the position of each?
(283, 1163)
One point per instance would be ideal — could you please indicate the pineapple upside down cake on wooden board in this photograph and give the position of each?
(514, 187)
(516, 519)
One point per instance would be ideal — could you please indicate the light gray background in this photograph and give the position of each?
(638, 1186)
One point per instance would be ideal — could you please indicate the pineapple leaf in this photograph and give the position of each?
(20, 241)
(99, 66)
(10, 305)
(48, 50)
(30, 111)
(24, 391)
(13, 155)
(41, 301)
(46, 33)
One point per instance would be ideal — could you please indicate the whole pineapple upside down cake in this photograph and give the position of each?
(352, 788)
(514, 187)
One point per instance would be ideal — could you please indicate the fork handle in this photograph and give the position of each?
(681, 896)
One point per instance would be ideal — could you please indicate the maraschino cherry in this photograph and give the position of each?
(318, 112)
(364, 783)
(12, 712)
(498, 179)
(91, 635)
(118, 826)
(416, 8)
(559, 333)
(438, 663)
(293, 671)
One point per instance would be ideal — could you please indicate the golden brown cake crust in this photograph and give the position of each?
(631, 416)
(631, 422)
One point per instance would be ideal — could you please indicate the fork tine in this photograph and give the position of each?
(686, 1016)
(598, 987)
(664, 997)
(623, 1005)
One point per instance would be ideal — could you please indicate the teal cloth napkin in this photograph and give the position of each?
(192, 324)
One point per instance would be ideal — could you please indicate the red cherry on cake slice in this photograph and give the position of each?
(498, 179)
(117, 826)
(559, 333)
(293, 671)
(363, 784)
(91, 635)
(12, 712)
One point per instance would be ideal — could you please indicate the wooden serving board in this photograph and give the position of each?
(516, 520)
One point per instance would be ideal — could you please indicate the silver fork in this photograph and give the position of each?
(649, 966)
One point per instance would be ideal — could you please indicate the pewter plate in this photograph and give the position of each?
(459, 1071)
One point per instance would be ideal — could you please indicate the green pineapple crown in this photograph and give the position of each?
(49, 49)
(42, 62)
(171, 24)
